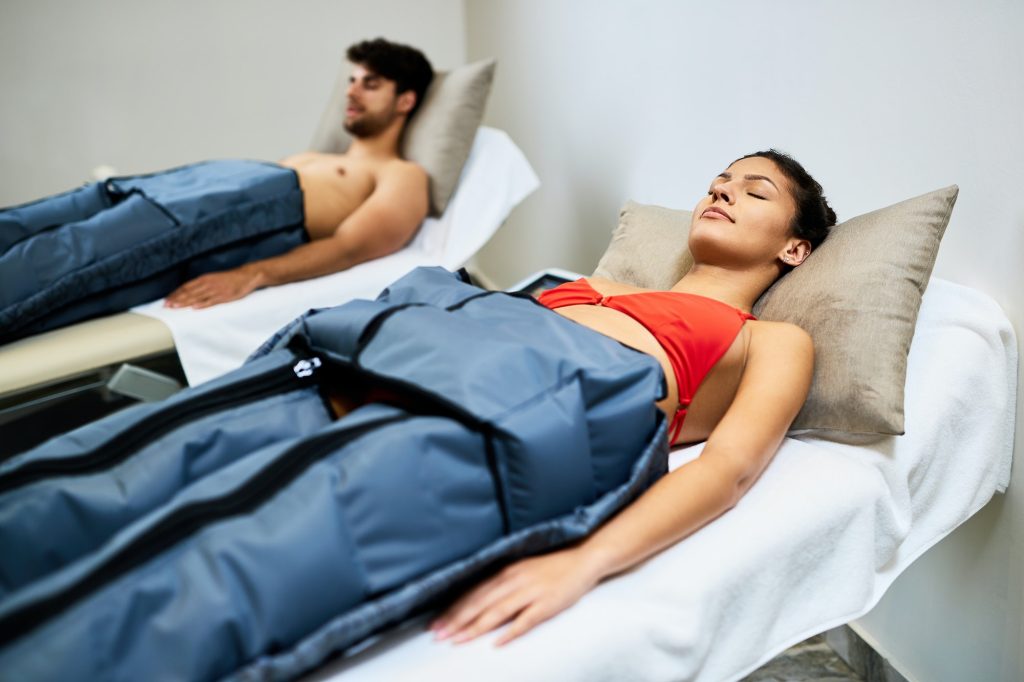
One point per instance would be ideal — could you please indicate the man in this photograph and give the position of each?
(215, 231)
(360, 205)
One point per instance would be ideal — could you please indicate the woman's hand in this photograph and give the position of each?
(527, 592)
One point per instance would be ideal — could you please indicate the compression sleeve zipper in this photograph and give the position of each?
(122, 446)
(184, 522)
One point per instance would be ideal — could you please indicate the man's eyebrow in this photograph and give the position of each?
(750, 176)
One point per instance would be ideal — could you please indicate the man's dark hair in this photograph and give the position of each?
(404, 65)
(814, 217)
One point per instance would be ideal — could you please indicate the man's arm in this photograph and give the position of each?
(381, 225)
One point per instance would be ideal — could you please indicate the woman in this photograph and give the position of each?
(396, 446)
(761, 217)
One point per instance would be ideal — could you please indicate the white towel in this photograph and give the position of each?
(494, 180)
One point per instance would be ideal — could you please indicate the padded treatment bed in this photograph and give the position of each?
(494, 179)
(815, 543)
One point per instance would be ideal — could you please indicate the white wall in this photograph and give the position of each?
(880, 100)
(146, 85)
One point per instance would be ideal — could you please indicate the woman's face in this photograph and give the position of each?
(745, 217)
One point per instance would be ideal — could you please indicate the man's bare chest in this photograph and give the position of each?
(347, 177)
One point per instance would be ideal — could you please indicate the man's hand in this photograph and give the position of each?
(213, 288)
(527, 592)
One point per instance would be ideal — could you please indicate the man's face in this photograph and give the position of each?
(372, 102)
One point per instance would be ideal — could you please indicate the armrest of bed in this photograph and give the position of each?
(80, 348)
(56, 381)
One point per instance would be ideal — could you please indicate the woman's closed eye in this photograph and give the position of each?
(758, 196)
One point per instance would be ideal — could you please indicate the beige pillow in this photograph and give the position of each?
(440, 133)
(648, 247)
(857, 295)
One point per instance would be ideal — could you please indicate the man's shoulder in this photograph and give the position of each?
(400, 165)
(400, 170)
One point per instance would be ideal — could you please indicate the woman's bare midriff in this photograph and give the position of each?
(333, 186)
(714, 394)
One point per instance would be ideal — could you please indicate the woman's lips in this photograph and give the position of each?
(715, 213)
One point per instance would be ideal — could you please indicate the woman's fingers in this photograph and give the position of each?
(468, 607)
(527, 593)
(528, 618)
(494, 616)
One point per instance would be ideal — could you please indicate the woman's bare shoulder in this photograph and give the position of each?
(785, 337)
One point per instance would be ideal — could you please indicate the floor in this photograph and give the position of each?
(812, 659)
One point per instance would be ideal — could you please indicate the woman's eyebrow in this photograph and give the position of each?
(726, 175)
(762, 177)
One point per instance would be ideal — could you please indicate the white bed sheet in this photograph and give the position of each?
(495, 178)
(814, 544)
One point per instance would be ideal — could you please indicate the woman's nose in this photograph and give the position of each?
(722, 191)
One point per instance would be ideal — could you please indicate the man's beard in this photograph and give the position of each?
(369, 125)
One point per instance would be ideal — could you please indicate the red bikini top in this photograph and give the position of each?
(695, 331)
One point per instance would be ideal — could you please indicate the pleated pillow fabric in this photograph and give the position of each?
(857, 295)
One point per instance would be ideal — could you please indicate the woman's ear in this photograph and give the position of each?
(796, 252)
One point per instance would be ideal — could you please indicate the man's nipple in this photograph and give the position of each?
(341, 170)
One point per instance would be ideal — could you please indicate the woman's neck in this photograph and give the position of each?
(740, 289)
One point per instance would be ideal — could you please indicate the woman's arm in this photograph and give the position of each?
(774, 385)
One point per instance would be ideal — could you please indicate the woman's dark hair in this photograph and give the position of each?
(814, 217)
(400, 63)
